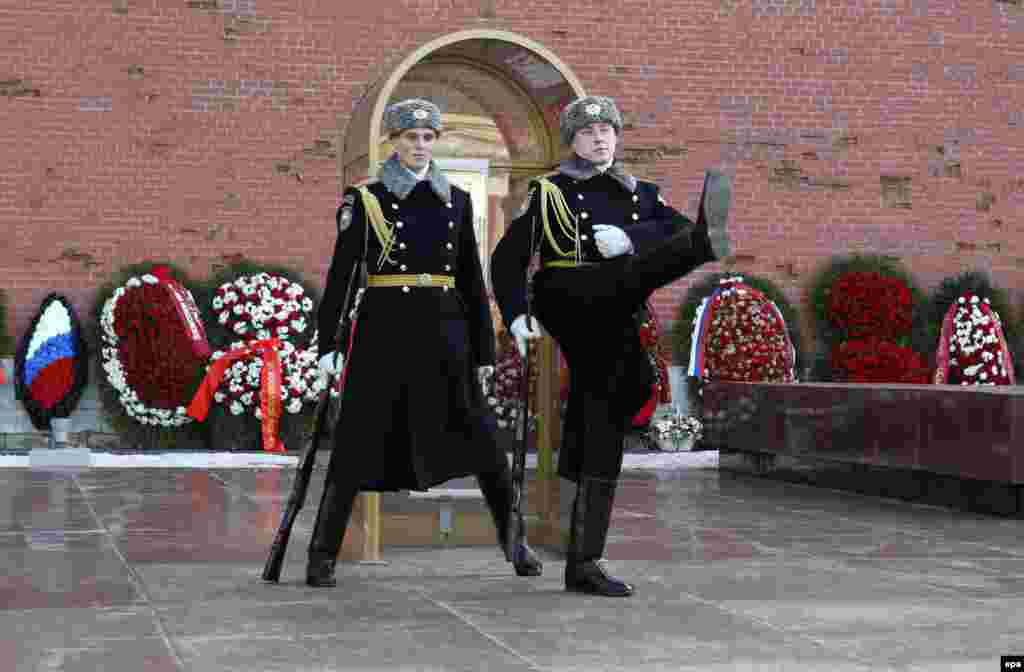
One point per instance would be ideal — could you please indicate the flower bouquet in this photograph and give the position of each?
(51, 367)
(870, 304)
(876, 360)
(972, 348)
(266, 351)
(740, 335)
(951, 308)
(676, 432)
(696, 299)
(662, 390)
(865, 309)
(504, 388)
(152, 350)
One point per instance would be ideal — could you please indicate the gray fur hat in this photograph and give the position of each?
(412, 113)
(588, 110)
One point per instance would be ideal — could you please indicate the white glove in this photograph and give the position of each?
(521, 332)
(611, 240)
(327, 364)
(484, 375)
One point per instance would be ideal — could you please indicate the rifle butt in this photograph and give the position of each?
(275, 560)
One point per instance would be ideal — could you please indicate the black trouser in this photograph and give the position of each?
(591, 312)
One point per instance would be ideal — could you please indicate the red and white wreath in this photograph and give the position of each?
(263, 306)
(976, 350)
(152, 346)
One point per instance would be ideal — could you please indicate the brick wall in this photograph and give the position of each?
(196, 129)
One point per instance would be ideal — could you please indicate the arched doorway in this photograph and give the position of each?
(500, 96)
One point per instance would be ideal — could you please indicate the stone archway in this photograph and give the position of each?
(543, 80)
(500, 95)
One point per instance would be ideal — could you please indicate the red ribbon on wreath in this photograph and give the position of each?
(270, 388)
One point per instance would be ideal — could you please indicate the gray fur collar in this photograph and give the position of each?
(579, 168)
(400, 180)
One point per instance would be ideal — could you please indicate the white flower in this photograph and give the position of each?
(294, 406)
(150, 279)
(133, 282)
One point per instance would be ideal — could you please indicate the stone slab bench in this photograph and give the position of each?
(942, 444)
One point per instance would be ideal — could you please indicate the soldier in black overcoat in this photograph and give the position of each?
(413, 413)
(606, 241)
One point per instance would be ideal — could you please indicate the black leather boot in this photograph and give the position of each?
(591, 516)
(328, 532)
(497, 489)
(705, 241)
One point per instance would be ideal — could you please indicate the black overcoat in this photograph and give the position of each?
(413, 414)
(610, 375)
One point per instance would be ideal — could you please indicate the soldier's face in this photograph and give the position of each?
(595, 142)
(415, 147)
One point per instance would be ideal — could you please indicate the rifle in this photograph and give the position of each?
(325, 408)
(517, 528)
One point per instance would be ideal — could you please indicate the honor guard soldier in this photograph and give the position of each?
(413, 414)
(606, 241)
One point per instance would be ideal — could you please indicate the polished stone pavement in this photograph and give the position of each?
(125, 570)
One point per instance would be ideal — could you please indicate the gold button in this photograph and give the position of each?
(405, 289)
(451, 225)
(635, 216)
(583, 237)
(401, 246)
(394, 206)
(635, 198)
(447, 267)
(584, 215)
(449, 246)
(448, 205)
(403, 267)
(579, 196)
(399, 225)
(445, 287)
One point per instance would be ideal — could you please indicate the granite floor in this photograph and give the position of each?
(125, 570)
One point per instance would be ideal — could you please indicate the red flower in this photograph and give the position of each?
(747, 340)
(877, 360)
(863, 304)
(156, 355)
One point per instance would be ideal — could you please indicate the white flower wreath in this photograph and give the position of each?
(262, 306)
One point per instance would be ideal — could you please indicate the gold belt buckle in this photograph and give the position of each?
(423, 279)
